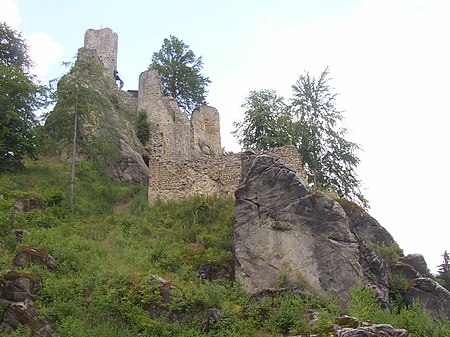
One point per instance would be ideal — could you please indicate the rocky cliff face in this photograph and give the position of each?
(106, 132)
(284, 233)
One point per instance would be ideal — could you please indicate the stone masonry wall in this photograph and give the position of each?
(170, 129)
(184, 154)
(127, 101)
(174, 179)
(205, 124)
(105, 41)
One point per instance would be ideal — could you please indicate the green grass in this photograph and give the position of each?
(107, 247)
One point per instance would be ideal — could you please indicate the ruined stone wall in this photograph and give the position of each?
(169, 127)
(175, 179)
(127, 101)
(105, 41)
(205, 123)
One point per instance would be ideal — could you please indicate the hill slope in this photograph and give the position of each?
(125, 269)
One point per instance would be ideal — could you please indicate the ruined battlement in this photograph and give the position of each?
(184, 154)
(105, 41)
(221, 175)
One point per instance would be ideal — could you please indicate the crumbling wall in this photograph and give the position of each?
(175, 179)
(105, 41)
(185, 155)
(169, 127)
(127, 101)
(205, 123)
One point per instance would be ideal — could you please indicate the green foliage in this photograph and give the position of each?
(142, 128)
(267, 122)
(311, 122)
(444, 271)
(102, 285)
(78, 96)
(388, 252)
(397, 288)
(289, 316)
(329, 159)
(74, 120)
(180, 73)
(412, 318)
(20, 96)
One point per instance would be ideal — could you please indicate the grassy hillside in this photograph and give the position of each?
(110, 245)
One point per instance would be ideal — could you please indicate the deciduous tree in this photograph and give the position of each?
(312, 123)
(330, 160)
(71, 123)
(20, 96)
(180, 73)
(267, 121)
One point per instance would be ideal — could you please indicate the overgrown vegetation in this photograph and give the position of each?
(111, 247)
(141, 125)
(413, 318)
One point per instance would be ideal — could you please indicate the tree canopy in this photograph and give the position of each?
(267, 121)
(330, 160)
(312, 123)
(20, 96)
(180, 73)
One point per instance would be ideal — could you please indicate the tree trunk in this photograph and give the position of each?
(74, 156)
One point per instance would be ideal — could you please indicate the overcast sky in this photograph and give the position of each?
(389, 60)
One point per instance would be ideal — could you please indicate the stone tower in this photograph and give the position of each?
(105, 41)
(170, 128)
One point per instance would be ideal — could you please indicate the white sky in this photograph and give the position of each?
(389, 60)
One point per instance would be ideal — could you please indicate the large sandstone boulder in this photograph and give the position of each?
(284, 232)
(435, 298)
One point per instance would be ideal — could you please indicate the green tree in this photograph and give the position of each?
(72, 121)
(330, 160)
(267, 122)
(180, 73)
(311, 122)
(444, 271)
(141, 125)
(20, 96)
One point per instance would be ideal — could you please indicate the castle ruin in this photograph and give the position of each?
(184, 154)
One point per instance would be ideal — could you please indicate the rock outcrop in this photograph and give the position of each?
(435, 298)
(285, 235)
(347, 326)
(108, 136)
(18, 291)
(28, 255)
(283, 231)
(365, 225)
(416, 261)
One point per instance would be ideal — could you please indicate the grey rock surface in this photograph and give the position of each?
(435, 298)
(364, 225)
(417, 261)
(282, 232)
(117, 150)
